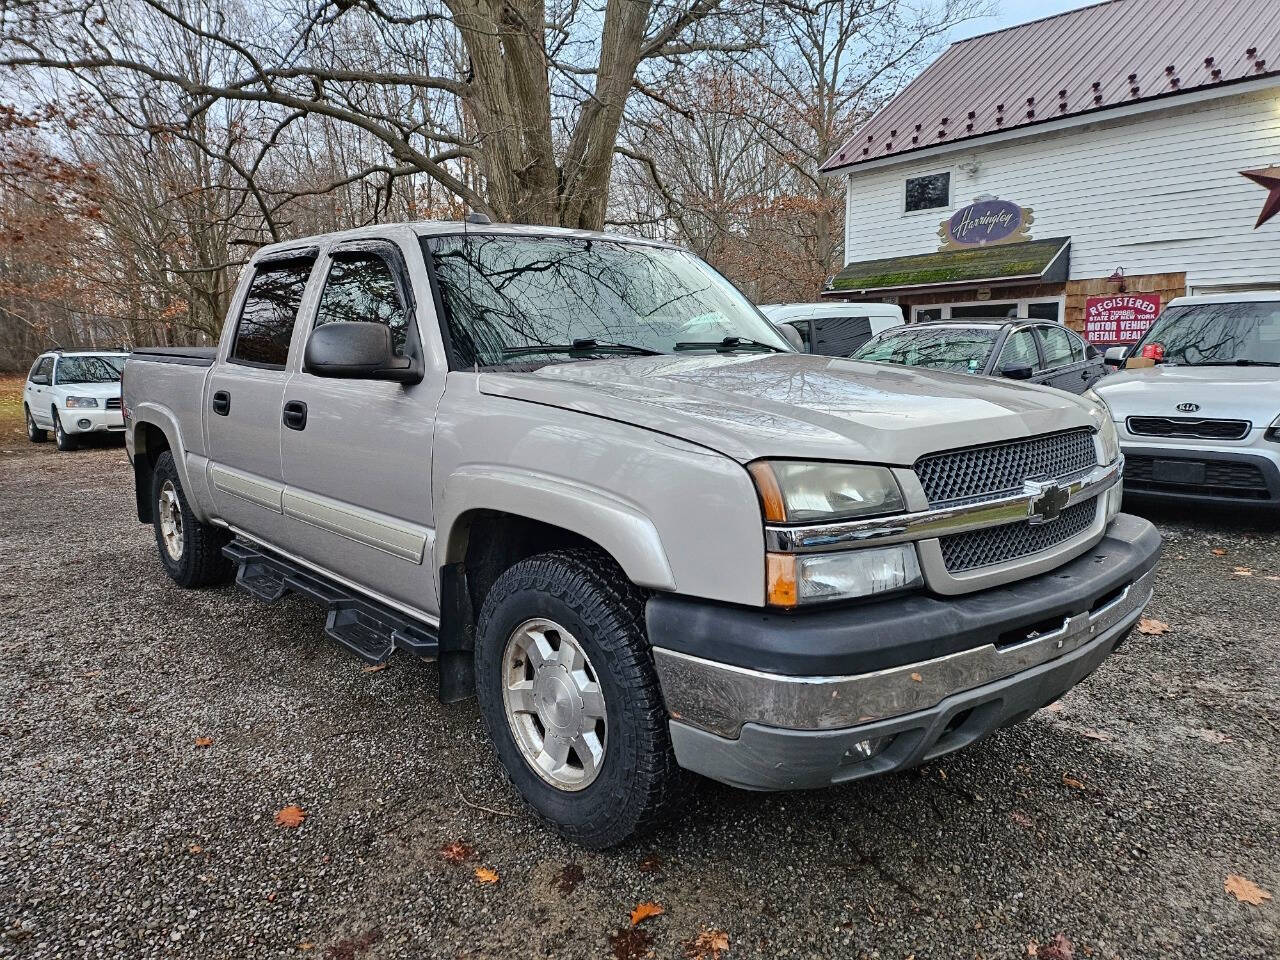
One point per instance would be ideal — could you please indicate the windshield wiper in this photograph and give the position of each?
(1241, 362)
(727, 345)
(584, 345)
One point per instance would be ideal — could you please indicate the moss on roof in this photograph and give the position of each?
(1031, 258)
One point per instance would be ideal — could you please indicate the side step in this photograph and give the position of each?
(367, 628)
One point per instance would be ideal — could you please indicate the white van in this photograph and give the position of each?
(834, 328)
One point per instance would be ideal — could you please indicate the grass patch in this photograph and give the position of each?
(11, 420)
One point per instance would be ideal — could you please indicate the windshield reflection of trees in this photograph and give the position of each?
(1218, 333)
(90, 369)
(503, 292)
(939, 349)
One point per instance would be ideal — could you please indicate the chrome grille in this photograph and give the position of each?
(980, 473)
(1193, 427)
(982, 548)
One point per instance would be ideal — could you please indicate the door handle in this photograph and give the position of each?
(1084, 374)
(295, 415)
(221, 403)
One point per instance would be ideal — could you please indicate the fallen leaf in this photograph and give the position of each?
(195, 848)
(485, 875)
(1061, 948)
(631, 944)
(1152, 628)
(644, 911)
(651, 864)
(290, 816)
(1072, 782)
(707, 945)
(569, 877)
(204, 741)
(1272, 579)
(1246, 891)
(1218, 552)
(917, 678)
(1213, 736)
(1091, 734)
(1242, 572)
(1021, 819)
(456, 852)
(375, 668)
(306, 945)
(942, 774)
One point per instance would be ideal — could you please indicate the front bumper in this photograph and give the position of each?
(923, 675)
(1217, 475)
(91, 420)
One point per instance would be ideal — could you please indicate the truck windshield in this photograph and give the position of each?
(521, 299)
(89, 369)
(963, 350)
(1217, 334)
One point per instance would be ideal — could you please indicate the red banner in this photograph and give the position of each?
(1122, 318)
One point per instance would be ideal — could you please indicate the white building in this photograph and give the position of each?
(1084, 164)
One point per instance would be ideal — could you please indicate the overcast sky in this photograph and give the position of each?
(1011, 12)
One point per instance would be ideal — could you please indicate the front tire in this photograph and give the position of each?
(34, 434)
(65, 441)
(191, 551)
(566, 683)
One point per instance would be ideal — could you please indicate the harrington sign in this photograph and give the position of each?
(985, 222)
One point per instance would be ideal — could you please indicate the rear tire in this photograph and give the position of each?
(191, 551)
(34, 433)
(65, 441)
(588, 621)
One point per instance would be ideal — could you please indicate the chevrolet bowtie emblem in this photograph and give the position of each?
(1048, 500)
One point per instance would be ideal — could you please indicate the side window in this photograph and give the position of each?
(270, 309)
(360, 288)
(840, 336)
(1019, 350)
(1077, 347)
(42, 372)
(1057, 346)
(928, 193)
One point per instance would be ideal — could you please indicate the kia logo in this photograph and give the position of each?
(1188, 407)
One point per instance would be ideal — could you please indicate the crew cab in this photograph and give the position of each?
(1197, 406)
(74, 393)
(589, 478)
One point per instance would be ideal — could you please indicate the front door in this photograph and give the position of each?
(38, 392)
(243, 397)
(357, 452)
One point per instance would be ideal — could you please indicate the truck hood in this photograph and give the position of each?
(1236, 393)
(799, 405)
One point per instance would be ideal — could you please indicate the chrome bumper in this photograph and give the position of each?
(720, 698)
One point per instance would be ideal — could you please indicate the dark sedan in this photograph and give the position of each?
(1032, 350)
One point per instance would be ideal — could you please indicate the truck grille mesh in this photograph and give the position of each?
(982, 473)
(982, 548)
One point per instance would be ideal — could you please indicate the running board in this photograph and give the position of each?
(370, 630)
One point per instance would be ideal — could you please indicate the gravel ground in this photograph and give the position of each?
(1113, 820)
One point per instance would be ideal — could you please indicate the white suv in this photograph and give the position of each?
(73, 393)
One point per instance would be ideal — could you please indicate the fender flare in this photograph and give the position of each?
(163, 420)
(614, 524)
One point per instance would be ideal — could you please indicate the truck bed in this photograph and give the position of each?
(192, 356)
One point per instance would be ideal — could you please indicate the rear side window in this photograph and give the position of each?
(270, 309)
(360, 288)
(1057, 346)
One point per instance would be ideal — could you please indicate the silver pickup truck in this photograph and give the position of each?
(587, 476)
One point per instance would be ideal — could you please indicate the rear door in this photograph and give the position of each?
(244, 393)
(1064, 360)
(357, 452)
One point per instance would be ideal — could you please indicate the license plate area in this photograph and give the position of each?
(1178, 471)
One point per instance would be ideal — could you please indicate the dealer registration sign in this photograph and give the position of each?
(1123, 318)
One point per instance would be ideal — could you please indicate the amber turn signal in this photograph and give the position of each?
(780, 576)
(775, 509)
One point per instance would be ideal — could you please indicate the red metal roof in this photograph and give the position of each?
(1084, 61)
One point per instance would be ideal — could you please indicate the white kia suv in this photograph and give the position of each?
(73, 393)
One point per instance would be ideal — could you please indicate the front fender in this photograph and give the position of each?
(601, 516)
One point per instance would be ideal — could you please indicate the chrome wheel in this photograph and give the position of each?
(169, 509)
(554, 704)
(31, 427)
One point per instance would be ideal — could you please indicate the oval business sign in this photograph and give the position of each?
(987, 221)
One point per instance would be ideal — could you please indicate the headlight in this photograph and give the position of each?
(796, 579)
(1273, 431)
(82, 402)
(796, 491)
(1107, 436)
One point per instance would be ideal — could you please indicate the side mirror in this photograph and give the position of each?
(792, 336)
(1114, 356)
(361, 351)
(40, 380)
(1017, 373)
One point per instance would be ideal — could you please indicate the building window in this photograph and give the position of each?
(927, 193)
